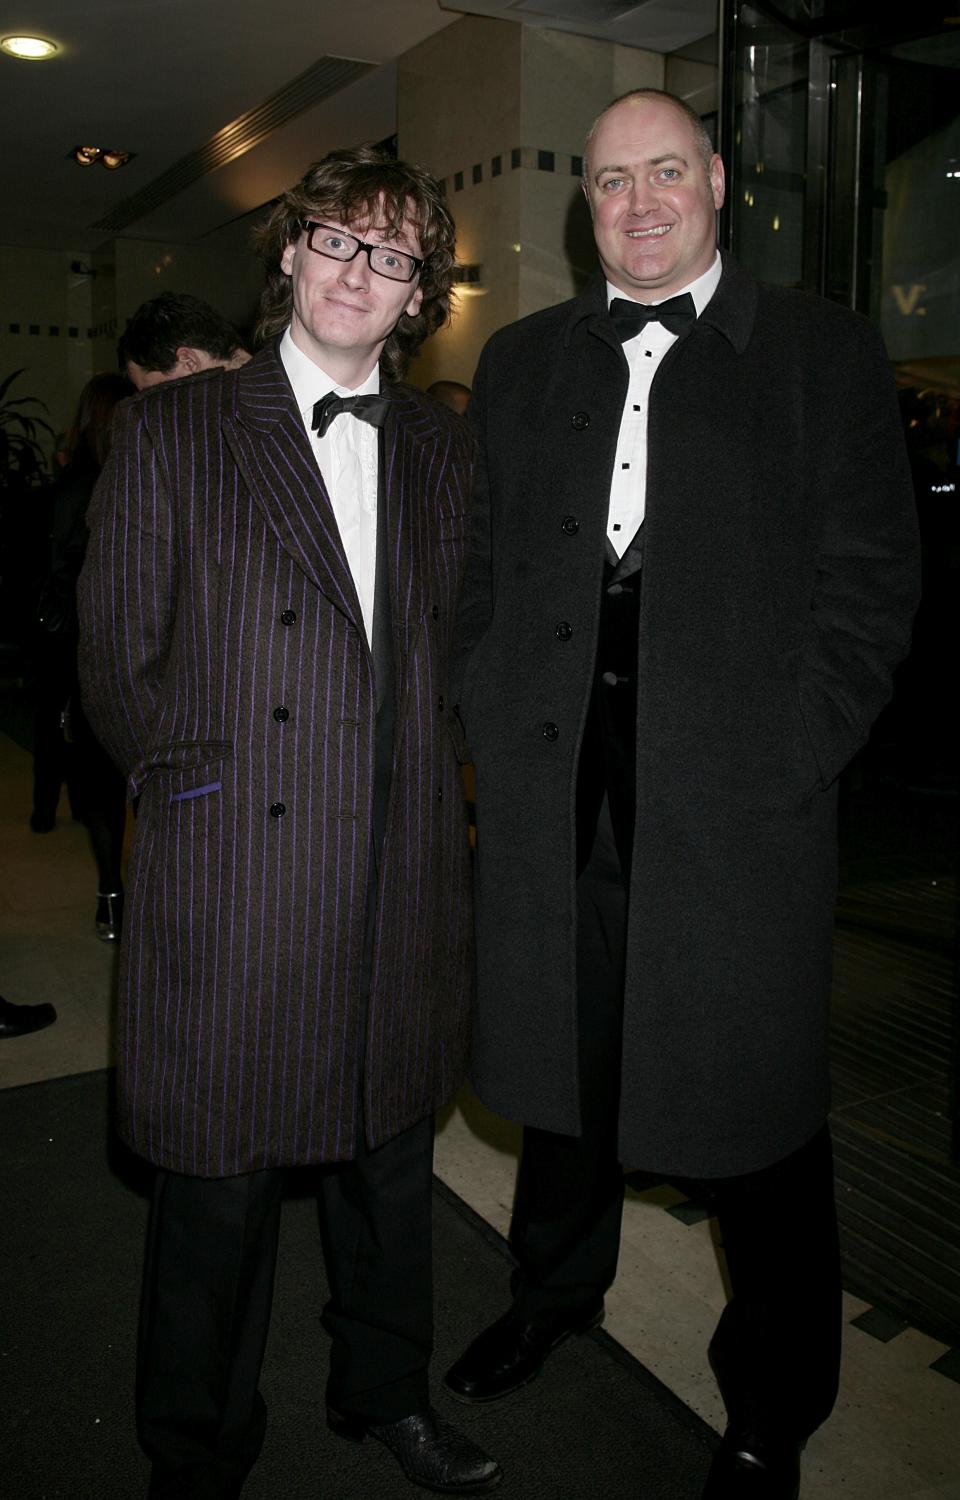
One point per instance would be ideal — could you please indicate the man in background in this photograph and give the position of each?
(173, 335)
(693, 569)
(452, 394)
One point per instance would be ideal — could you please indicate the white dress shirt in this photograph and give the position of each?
(348, 458)
(628, 488)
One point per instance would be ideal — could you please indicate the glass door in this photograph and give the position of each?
(840, 126)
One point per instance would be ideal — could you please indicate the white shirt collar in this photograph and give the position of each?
(310, 383)
(700, 290)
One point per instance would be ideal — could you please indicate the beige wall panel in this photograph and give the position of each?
(40, 291)
(696, 82)
(458, 96)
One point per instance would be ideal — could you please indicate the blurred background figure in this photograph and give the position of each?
(65, 743)
(452, 394)
(174, 335)
(19, 1020)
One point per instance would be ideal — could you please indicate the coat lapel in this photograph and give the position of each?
(266, 436)
(414, 475)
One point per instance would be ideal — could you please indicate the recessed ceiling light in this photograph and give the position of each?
(28, 48)
(88, 156)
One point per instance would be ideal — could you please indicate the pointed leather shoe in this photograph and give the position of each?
(430, 1451)
(20, 1020)
(748, 1468)
(510, 1353)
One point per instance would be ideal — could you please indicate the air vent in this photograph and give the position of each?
(327, 76)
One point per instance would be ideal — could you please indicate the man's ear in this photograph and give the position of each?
(718, 185)
(189, 361)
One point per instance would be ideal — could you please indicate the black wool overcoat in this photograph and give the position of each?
(226, 668)
(779, 580)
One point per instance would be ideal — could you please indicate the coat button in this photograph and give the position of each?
(550, 731)
(289, 617)
(281, 714)
(580, 420)
(564, 631)
(435, 611)
(277, 809)
(440, 701)
(570, 525)
(440, 794)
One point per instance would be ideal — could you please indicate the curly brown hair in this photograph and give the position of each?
(354, 186)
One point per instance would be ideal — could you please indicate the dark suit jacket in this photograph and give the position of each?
(215, 593)
(779, 579)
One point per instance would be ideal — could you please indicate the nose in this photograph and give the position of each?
(356, 273)
(643, 197)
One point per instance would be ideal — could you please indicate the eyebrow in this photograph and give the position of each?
(652, 161)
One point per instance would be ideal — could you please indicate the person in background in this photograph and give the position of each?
(174, 335)
(452, 394)
(693, 569)
(268, 607)
(97, 790)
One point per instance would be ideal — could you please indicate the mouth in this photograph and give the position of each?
(649, 234)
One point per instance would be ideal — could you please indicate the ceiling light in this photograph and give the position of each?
(28, 48)
(87, 156)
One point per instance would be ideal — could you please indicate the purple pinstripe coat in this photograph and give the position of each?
(216, 590)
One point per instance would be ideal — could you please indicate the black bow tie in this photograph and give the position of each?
(629, 317)
(372, 409)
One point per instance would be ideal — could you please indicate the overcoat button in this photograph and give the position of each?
(281, 714)
(580, 420)
(289, 617)
(564, 631)
(440, 795)
(551, 732)
(435, 611)
(277, 809)
(570, 525)
(440, 703)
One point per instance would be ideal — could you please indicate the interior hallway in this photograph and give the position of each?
(894, 1434)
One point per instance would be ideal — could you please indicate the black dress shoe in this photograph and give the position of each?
(429, 1451)
(511, 1352)
(18, 1020)
(747, 1467)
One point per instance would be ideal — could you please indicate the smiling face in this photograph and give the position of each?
(653, 202)
(343, 312)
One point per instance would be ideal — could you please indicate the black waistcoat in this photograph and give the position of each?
(608, 753)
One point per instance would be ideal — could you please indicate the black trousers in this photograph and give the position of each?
(208, 1288)
(776, 1349)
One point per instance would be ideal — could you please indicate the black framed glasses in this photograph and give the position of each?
(336, 244)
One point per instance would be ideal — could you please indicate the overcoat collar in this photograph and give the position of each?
(265, 432)
(731, 310)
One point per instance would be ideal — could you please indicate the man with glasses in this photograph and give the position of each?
(268, 607)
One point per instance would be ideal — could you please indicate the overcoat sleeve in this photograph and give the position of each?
(475, 606)
(126, 596)
(867, 573)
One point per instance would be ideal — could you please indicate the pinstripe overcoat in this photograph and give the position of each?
(215, 592)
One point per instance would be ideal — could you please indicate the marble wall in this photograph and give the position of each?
(515, 103)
